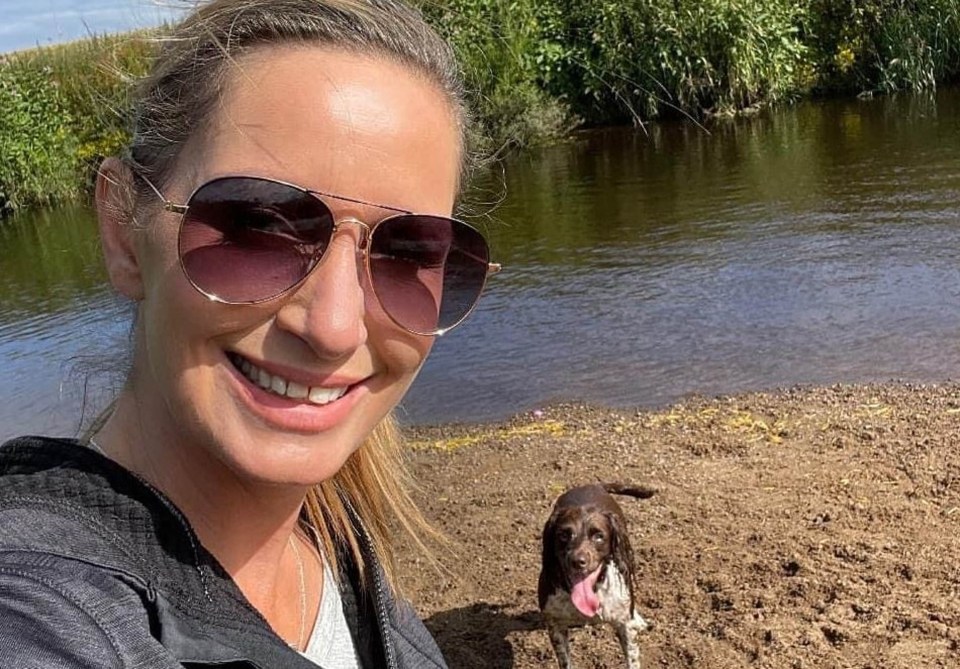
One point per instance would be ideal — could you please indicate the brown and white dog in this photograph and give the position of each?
(587, 572)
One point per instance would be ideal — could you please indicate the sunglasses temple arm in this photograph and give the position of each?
(167, 204)
(492, 267)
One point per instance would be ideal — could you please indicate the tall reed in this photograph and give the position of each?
(884, 45)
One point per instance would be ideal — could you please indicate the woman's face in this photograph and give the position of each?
(358, 126)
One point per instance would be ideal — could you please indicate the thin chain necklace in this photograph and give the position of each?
(303, 595)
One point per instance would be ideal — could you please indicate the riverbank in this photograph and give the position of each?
(535, 70)
(811, 527)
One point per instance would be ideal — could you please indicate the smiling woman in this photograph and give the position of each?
(282, 222)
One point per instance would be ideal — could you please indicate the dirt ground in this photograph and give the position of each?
(810, 527)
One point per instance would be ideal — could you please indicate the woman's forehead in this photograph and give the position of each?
(333, 120)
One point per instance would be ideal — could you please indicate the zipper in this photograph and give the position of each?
(386, 639)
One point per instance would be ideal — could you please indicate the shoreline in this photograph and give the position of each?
(421, 430)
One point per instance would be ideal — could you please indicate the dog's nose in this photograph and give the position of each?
(580, 561)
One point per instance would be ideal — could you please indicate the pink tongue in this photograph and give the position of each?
(584, 596)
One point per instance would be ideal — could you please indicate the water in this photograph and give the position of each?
(815, 244)
(44, 22)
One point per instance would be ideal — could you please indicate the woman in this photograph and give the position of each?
(282, 222)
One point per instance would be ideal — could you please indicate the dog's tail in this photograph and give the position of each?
(638, 491)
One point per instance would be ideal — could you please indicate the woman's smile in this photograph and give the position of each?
(321, 393)
(290, 400)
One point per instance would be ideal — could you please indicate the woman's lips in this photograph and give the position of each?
(290, 405)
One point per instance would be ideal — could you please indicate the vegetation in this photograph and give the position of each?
(536, 69)
(62, 108)
(538, 66)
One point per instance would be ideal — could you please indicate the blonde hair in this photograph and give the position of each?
(177, 102)
(374, 486)
(180, 97)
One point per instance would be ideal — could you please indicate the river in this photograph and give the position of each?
(811, 244)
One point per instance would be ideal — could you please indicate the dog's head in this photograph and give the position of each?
(578, 542)
(582, 539)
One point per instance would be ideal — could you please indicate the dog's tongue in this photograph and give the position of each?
(584, 595)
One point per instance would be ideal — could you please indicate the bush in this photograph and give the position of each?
(37, 142)
(884, 45)
(638, 60)
(62, 109)
(499, 44)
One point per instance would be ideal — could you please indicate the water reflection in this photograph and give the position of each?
(808, 245)
(57, 319)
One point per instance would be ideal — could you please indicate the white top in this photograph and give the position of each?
(331, 644)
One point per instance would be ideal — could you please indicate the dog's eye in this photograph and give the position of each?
(564, 536)
(597, 536)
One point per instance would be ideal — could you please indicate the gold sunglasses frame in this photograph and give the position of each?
(363, 245)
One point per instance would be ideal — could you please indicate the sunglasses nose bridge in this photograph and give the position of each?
(364, 231)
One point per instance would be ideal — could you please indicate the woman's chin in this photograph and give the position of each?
(284, 464)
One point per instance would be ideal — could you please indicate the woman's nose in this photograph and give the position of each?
(327, 310)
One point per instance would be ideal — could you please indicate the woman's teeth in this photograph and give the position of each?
(281, 386)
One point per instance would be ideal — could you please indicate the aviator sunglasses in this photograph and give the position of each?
(247, 240)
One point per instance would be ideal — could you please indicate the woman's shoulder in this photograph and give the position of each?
(59, 498)
(56, 611)
(37, 462)
(91, 540)
(58, 494)
(66, 478)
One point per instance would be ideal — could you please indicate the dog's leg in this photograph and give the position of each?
(639, 622)
(629, 635)
(560, 638)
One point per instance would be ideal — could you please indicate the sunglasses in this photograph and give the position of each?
(247, 240)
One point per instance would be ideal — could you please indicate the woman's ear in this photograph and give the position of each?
(114, 197)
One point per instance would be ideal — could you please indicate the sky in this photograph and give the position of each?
(25, 24)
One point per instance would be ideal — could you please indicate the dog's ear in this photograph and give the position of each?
(549, 557)
(620, 549)
(621, 552)
(551, 570)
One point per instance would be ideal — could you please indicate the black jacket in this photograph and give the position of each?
(99, 569)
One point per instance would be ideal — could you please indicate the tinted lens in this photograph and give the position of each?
(245, 239)
(427, 271)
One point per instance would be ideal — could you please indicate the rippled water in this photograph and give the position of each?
(810, 245)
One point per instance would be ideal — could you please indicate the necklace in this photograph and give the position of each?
(303, 594)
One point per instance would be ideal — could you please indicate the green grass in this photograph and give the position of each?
(536, 69)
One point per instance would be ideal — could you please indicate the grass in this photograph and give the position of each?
(536, 69)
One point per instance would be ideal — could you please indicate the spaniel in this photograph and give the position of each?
(587, 570)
